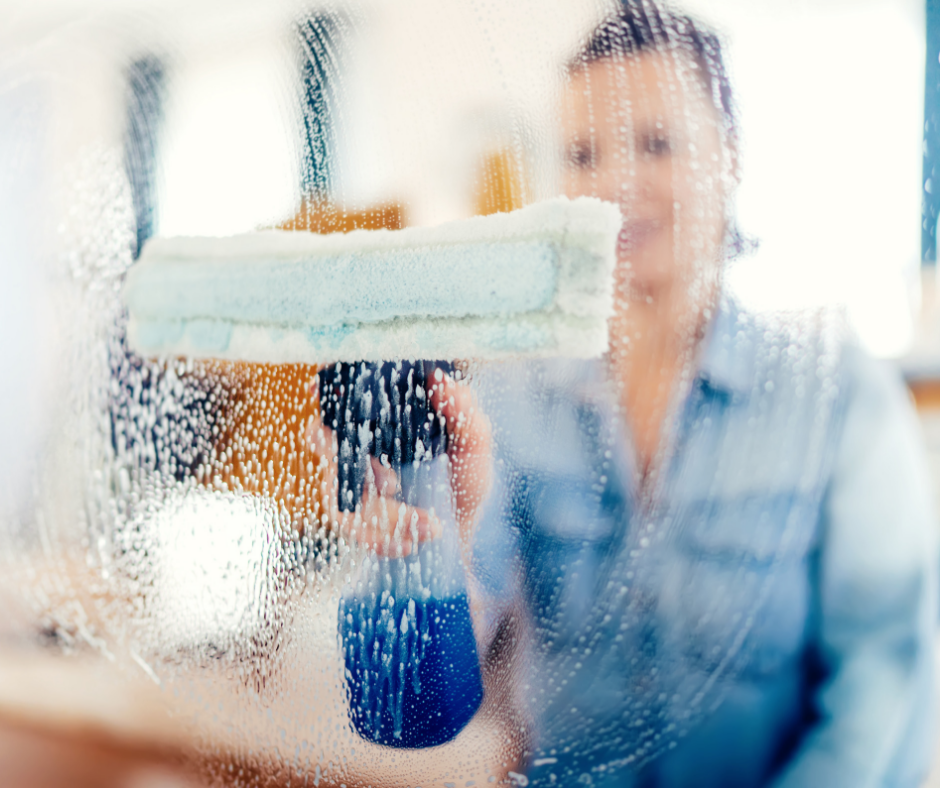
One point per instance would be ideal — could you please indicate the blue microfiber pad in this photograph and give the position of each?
(534, 282)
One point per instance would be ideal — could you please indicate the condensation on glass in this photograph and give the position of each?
(632, 583)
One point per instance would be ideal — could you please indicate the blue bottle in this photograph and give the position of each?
(411, 666)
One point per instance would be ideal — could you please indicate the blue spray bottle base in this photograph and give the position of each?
(412, 672)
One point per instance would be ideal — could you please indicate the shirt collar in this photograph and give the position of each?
(726, 364)
(728, 352)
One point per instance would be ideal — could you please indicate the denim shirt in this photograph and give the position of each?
(762, 613)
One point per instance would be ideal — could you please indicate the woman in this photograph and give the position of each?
(716, 544)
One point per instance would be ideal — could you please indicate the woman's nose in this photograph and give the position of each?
(628, 188)
(614, 185)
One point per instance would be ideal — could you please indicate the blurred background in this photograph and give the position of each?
(121, 120)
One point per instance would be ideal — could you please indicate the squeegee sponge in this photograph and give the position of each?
(534, 282)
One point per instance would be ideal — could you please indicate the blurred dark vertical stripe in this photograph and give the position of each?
(145, 90)
(931, 193)
(161, 422)
(321, 52)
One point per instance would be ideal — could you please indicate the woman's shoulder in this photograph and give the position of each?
(816, 352)
(810, 373)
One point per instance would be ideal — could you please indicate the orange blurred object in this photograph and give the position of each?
(262, 448)
(502, 185)
(319, 216)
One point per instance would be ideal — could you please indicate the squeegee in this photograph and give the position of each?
(535, 282)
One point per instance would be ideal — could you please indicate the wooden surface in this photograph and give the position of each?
(261, 448)
(78, 722)
(207, 724)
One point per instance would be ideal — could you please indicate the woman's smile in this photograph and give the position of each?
(638, 233)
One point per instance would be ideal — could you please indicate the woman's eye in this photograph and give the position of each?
(658, 145)
(581, 156)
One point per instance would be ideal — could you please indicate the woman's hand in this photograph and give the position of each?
(386, 524)
(469, 448)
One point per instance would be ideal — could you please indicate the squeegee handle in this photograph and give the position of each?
(376, 410)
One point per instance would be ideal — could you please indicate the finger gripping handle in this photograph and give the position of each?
(380, 410)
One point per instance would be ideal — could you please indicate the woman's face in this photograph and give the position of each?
(640, 131)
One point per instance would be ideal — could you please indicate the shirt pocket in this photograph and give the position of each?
(567, 536)
(745, 588)
(568, 509)
(754, 530)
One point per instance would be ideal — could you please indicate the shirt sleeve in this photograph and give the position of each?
(495, 576)
(878, 599)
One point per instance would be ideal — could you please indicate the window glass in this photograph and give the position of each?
(432, 393)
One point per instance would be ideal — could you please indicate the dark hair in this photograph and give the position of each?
(650, 26)
(647, 26)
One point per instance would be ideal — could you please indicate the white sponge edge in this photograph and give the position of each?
(521, 336)
(583, 230)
